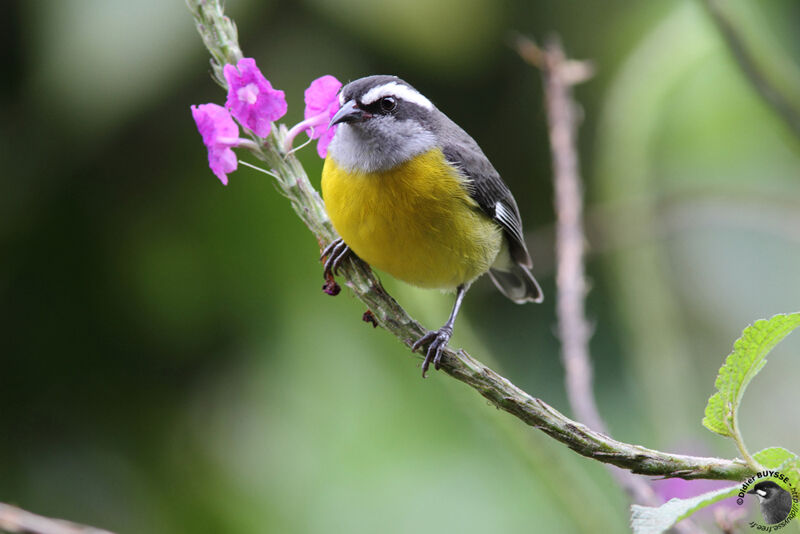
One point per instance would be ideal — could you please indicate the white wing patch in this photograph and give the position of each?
(396, 89)
(502, 214)
(508, 220)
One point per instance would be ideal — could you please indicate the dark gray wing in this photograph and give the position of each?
(487, 188)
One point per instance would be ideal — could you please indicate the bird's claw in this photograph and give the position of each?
(436, 341)
(336, 253)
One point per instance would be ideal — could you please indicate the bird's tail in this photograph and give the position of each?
(516, 282)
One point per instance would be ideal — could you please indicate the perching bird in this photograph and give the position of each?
(412, 194)
(776, 502)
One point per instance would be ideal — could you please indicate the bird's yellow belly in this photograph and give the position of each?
(415, 221)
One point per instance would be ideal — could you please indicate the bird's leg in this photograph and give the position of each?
(438, 339)
(336, 252)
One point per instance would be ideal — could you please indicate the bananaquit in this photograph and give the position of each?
(412, 194)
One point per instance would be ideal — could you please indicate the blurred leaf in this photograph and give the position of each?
(448, 36)
(791, 468)
(761, 55)
(748, 357)
(652, 520)
(97, 63)
(627, 172)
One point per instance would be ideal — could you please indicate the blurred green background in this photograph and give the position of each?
(169, 364)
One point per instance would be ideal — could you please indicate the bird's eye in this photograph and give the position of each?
(388, 103)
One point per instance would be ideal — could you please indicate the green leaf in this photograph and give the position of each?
(791, 468)
(748, 357)
(652, 520)
(774, 457)
(780, 459)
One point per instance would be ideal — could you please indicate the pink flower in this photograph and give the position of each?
(322, 103)
(219, 133)
(251, 98)
(678, 488)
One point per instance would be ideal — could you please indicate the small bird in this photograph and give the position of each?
(776, 502)
(412, 194)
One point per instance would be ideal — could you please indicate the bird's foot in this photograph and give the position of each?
(336, 253)
(436, 341)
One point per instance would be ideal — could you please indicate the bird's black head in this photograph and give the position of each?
(766, 490)
(383, 122)
(380, 96)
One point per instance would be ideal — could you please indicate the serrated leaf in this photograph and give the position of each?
(655, 520)
(780, 459)
(774, 457)
(791, 468)
(748, 357)
(715, 415)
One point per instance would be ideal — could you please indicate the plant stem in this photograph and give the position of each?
(739, 440)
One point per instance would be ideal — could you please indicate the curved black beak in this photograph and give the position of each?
(349, 112)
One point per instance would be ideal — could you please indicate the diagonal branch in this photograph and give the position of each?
(559, 74)
(308, 205)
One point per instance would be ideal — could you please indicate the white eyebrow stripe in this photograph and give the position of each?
(396, 89)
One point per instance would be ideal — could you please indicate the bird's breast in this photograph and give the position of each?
(415, 221)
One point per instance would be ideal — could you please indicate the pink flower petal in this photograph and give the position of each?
(219, 133)
(321, 95)
(322, 103)
(222, 162)
(325, 140)
(214, 122)
(251, 98)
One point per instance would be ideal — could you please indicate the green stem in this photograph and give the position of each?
(737, 438)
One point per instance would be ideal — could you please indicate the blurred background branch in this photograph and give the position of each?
(559, 75)
(16, 520)
(755, 65)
